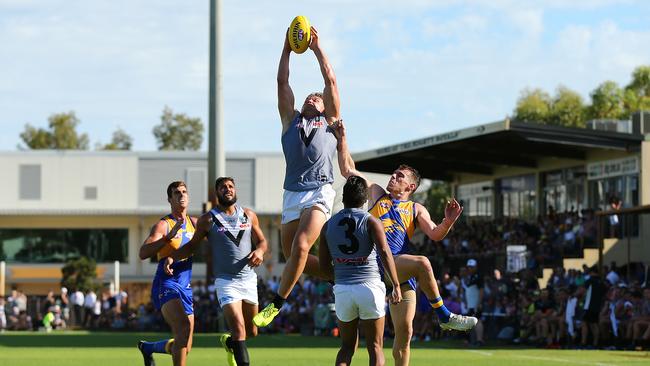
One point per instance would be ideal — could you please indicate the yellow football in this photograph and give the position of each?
(299, 34)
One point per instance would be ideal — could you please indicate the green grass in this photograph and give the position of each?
(118, 349)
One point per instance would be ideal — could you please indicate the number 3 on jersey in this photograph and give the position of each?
(350, 226)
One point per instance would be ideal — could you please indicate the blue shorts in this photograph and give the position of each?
(168, 289)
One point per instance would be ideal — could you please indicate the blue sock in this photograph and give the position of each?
(157, 347)
(441, 309)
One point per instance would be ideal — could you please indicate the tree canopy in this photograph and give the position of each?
(120, 141)
(61, 135)
(567, 108)
(177, 131)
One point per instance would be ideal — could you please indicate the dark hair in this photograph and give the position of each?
(355, 192)
(317, 94)
(174, 185)
(414, 174)
(221, 180)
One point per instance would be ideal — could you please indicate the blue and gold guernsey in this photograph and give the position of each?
(398, 218)
(176, 286)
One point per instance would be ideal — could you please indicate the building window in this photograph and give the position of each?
(476, 198)
(59, 245)
(519, 196)
(29, 182)
(564, 190)
(90, 193)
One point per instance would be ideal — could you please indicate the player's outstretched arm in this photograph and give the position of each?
(158, 238)
(347, 165)
(324, 255)
(286, 99)
(430, 229)
(203, 225)
(376, 231)
(256, 257)
(331, 90)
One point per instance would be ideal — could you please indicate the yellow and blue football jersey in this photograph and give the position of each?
(183, 236)
(398, 218)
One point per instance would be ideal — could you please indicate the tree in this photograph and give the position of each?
(607, 102)
(436, 199)
(637, 92)
(178, 131)
(80, 273)
(567, 109)
(61, 135)
(120, 141)
(533, 106)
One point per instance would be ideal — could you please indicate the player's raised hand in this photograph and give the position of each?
(314, 39)
(453, 210)
(396, 295)
(287, 46)
(172, 233)
(339, 129)
(168, 266)
(255, 258)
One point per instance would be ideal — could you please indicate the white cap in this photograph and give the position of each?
(471, 263)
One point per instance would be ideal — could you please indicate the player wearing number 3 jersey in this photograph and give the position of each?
(349, 244)
(400, 216)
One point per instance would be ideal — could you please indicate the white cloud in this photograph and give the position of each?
(528, 21)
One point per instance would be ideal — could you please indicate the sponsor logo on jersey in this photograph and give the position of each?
(403, 211)
(352, 261)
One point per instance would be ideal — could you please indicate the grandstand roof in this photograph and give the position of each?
(480, 149)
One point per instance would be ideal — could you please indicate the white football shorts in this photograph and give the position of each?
(365, 301)
(229, 291)
(293, 203)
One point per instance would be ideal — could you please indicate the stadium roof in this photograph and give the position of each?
(480, 149)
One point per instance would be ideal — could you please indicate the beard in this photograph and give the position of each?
(222, 200)
(310, 111)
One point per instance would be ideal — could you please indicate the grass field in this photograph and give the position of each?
(118, 349)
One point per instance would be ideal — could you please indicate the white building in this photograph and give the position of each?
(102, 204)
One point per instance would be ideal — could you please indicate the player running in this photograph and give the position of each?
(400, 216)
(351, 239)
(237, 245)
(309, 146)
(172, 294)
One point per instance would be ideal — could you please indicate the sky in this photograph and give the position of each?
(405, 69)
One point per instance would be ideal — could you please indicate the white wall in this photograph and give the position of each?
(269, 178)
(65, 174)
